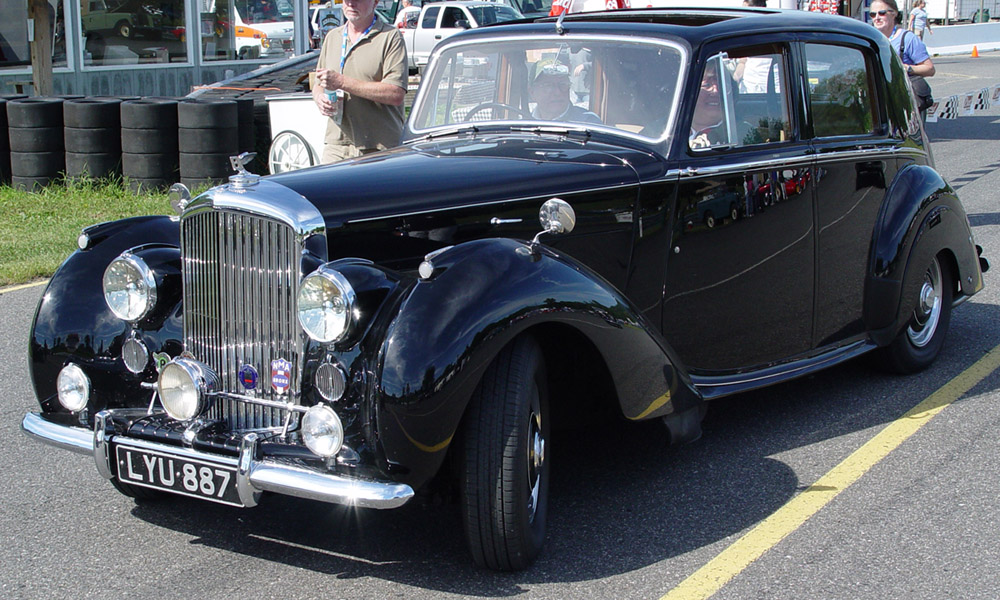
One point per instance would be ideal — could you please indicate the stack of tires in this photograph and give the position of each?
(92, 137)
(149, 142)
(34, 127)
(207, 135)
(5, 140)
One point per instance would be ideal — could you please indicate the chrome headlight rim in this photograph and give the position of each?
(73, 374)
(346, 293)
(322, 414)
(202, 382)
(147, 279)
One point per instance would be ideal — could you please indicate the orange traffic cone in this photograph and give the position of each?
(975, 52)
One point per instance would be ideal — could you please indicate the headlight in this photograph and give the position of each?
(183, 386)
(129, 287)
(74, 387)
(322, 431)
(326, 305)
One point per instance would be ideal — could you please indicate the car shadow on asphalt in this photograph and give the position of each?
(621, 498)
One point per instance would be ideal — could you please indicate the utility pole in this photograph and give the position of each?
(40, 23)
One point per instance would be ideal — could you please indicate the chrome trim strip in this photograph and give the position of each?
(254, 475)
(74, 439)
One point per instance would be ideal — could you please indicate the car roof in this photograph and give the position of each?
(698, 24)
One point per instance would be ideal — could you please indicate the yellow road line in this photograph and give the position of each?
(733, 560)
(14, 288)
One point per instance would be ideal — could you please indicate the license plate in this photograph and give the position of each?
(190, 477)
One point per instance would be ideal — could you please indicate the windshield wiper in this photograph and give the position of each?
(554, 130)
(469, 129)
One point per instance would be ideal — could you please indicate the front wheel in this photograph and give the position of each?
(505, 468)
(919, 343)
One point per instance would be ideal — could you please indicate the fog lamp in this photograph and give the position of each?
(74, 388)
(322, 431)
(184, 386)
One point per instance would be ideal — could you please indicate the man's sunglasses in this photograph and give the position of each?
(880, 13)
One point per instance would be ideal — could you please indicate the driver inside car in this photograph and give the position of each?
(549, 91)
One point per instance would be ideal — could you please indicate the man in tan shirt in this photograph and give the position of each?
(365, 59)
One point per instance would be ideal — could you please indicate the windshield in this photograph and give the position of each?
(596, 82)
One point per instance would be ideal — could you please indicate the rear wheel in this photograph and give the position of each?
(505, 471)
(919, 343)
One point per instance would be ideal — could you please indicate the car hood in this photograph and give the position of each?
(463, 172)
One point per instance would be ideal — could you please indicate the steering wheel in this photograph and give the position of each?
(484, 105)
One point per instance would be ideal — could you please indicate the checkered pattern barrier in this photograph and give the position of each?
(964, 104)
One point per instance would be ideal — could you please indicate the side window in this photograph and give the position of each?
(430, 17)
(742, 100)
(452, 15)
(840, 91)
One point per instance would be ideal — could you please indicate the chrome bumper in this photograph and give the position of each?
(253, 475)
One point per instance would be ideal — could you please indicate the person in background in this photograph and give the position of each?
(406, 17)
(918, 19)
(752, 72)
(364, 60)
(911, 49)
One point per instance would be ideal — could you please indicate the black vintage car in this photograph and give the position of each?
(357, 333)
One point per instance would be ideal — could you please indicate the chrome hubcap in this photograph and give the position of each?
(927, 313)
(536, 455)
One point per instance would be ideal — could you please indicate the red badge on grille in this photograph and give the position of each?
(281, 375)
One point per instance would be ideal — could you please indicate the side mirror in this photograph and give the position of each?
(462, 24)
(556, 216)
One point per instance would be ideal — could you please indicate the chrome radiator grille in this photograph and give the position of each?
(240, 275)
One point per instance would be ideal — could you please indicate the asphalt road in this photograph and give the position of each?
(631, 518)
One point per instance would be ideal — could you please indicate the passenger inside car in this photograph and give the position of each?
(549, 91)
(708, 125)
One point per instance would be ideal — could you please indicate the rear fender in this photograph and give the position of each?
(482, 295)
(921, 217)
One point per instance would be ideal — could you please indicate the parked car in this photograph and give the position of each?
(122, 18)
(263, 28)
(355, 333)
(439, 20)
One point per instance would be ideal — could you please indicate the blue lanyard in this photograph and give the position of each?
(343, 46)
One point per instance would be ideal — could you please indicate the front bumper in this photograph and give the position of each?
(254, 474)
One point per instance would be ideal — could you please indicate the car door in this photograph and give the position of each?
(424, 35)
(855, 161)
(739, 285)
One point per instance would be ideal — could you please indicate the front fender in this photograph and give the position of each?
(921, 217)
(73, 322)
(481, 296)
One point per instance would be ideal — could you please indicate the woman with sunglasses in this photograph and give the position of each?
(911, 49)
